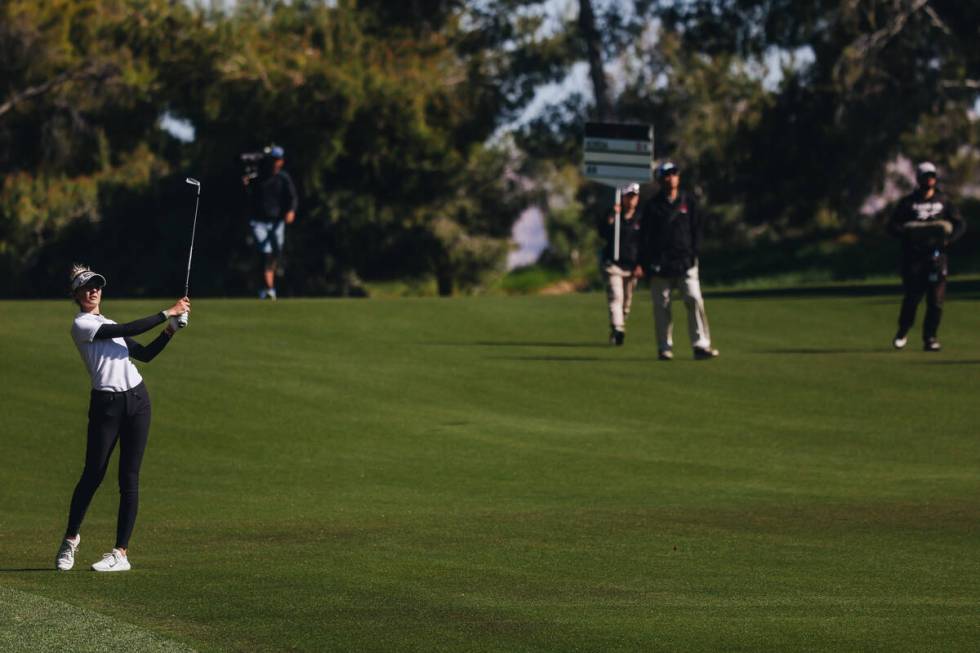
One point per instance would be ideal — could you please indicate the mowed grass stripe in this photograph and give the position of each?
(33, 624)
(488, 474)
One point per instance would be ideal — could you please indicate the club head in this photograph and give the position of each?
(193, 182)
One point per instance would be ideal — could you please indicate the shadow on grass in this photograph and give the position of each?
(826, 351)
(518, 343)
(507, 343)
(27, 569)
(960, 289)
(573, 359)
(817, 351)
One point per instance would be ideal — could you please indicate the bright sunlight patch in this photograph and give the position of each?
(33, 623)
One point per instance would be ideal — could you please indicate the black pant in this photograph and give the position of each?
(923, 277)
(112, 416)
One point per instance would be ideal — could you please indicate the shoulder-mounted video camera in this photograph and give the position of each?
(259, 163)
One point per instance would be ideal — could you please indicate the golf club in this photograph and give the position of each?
(182, 319)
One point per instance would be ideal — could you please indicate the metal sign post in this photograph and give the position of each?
(616, 154)
(619, 199)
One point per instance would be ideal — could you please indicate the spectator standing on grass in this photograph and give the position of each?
(119, 410)
(621, 274)
(671, 233)
(926, 222)
(272, 203)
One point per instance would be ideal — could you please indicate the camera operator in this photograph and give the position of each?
(272, 205)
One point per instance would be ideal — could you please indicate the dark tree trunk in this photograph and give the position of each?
(593, 46)
(444, 281)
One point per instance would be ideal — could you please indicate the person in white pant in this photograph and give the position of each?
(621, 272)
(671, 244)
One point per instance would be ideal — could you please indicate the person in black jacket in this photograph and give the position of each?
(671, 233)
(927, 222)
(621, 273)
(272, 205)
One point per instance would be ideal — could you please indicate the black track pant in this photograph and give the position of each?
(923, 278)
(112, 416)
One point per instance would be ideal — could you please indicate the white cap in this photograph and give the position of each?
(925, 168)
(85, 277)
(631, 188)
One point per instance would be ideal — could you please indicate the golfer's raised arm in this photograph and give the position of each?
(143, 324)
(146, 353)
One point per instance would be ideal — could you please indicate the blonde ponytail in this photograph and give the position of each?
(77, 269)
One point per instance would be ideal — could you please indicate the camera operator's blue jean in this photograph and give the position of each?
(269, 236)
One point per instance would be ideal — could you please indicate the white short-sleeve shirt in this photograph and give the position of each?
(107, 360)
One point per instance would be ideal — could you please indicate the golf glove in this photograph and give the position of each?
(178, 322)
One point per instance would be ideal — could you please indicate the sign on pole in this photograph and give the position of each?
(616, 154)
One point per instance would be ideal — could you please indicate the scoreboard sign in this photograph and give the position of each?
(616, 153)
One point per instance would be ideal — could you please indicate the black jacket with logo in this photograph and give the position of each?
(629, 240)
(920, 244)
(671, 234)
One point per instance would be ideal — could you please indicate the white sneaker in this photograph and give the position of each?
(114, 561)
(900, 341)
(271, 294)
(65, 559)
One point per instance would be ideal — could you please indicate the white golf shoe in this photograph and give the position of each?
(116, 560)
(65, 559)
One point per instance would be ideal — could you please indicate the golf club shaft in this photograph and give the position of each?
(190, 254)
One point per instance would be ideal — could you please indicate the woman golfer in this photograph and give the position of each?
(119, 409)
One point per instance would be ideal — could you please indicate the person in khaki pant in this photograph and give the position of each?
(621, 274)
(671, 243)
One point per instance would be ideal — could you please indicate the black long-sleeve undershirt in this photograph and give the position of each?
(146, 353)
(134, 328)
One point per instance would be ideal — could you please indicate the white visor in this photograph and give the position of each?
(85, 278)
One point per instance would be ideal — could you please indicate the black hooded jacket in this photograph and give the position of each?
(629, 240)
(273, 196)
(671, 234)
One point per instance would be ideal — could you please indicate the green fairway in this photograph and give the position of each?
(487, 474)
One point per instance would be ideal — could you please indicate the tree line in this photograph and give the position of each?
(400, 126)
